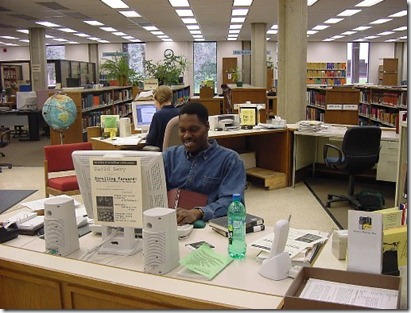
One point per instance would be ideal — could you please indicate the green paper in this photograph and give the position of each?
(205, 261)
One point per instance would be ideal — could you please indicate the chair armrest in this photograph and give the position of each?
(327, 147)
(151, 148)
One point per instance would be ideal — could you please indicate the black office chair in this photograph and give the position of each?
(359, 152)
(5, 137)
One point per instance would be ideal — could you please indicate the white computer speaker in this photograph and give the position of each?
(160, 241)
(60, 226)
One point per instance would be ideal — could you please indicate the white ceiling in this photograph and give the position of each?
(213, 17)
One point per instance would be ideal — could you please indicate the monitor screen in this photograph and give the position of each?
(26, 100)
(248, 116)
(147, 184)
(143, 112)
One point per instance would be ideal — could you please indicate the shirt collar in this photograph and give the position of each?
(205, 153)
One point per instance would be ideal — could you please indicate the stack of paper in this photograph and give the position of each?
(309, 126)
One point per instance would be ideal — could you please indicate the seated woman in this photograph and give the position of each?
(163, 95)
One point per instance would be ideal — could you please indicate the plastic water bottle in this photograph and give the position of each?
(236, 217)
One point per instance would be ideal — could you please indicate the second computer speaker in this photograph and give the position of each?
(60, 226)
(160, 241)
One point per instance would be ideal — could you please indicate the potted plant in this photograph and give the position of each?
(118, 69)
(168, 71)
(237, 76)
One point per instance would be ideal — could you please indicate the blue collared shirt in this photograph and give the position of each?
(217, 171)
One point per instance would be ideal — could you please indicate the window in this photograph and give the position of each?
(55, 52)
(357, 62)
(205, 64)
(137, 55)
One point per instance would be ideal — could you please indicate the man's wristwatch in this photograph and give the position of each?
(202, 213)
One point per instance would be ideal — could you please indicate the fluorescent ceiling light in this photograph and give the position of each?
(348, 33)
(189, 20)
(103, 41)
(371, 37)
(275, 26)
(150, 28)
(73, 42)
(130, 13)
(239, 12)
(337, 37)
(94, 38)
(333, 20)
(272, 31)
(193, 27)
(108, 29)
(24, 31)
(232, 39)
(128, 37)
(320, 27)
(329, 39)
(361, 28)
(368, 3)
(233, 31)
(60, 39)
(311, 2)
(236, 26)
(119, 34)
(135, 40)
(197, 36)
(381, 21)
(115, 4)
(199, 39)
(399, 14)
(48, 36)
(162, 36)
(195, 32)
(93, 23)
(157, 32)
(184, 12)
(232, 35)
(400, 29)
(167, 39)
(179, 3)
(242, 3)
(48, 24)
(24, 40)
(8, 37)
(237, 20)
(312, 32)
(348, 12)
(403, 37)
(385, 33)
(82, 35)
(67, 30)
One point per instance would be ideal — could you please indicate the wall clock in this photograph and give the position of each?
(168, 53)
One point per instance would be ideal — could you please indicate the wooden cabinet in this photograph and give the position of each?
(333, 105)
(380, 105)
(326, 73)
(238, 95)
(91, 104)
(388, 73)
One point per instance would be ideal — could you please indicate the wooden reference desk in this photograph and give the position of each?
(32, 279)
(272, 149)
(308, 146)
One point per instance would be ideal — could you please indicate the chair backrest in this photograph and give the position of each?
(361, 147)
(5, 137)
(59, 156)
(171, 136)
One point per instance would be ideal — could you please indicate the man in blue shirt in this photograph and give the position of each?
(202, 165)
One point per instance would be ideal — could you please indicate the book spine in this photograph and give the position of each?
(251, 229)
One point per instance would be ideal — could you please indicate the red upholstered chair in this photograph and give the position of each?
(59, 176)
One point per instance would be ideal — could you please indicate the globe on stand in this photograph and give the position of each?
(59, 112)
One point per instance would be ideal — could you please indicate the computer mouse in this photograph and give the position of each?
(199, 224)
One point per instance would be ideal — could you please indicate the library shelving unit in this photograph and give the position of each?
(335, 105)
(91, 104)
(181, 94)
(11, 75)
(326, 73)
(401, 193)
(380, 105)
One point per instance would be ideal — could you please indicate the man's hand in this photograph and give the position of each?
(187, 216)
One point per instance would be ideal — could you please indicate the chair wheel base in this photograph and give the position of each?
(342, 198)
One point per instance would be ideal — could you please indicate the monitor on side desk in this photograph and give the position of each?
(143, 112)
(120, 192)
(26, 100)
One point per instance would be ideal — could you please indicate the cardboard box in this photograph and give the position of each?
(249, 159)
(293, 302)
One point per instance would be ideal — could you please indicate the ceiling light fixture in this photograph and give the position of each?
(115, 4)
(239, 12)
(399, 14)
(179, 3)
(368, 3)
(94, 23)
(184, 12)
(108, 29)
(381, 21)
(349, 12)
(47, 24)
(242, 3)
(333, 20)
(129, 13)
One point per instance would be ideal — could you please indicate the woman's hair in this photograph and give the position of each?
(163, 94)
(195, 108)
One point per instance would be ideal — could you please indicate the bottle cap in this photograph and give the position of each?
(236, 197)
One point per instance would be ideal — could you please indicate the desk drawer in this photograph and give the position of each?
(387, 167)
(389, 148)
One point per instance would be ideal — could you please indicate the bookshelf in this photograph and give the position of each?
(91, 104)
(326, 73)
(11, 76)
(333, 105)
(181, 94)
(380, 105)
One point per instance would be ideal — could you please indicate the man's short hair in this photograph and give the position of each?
(195, 108)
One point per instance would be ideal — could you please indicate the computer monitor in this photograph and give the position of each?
(26, 100)
(143, 112)
(248, 116)
(117, 187)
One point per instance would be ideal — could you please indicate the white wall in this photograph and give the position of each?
(77, 53)
(15, 53)
(326, 52)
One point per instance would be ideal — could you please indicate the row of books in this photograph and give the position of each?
(253, 224)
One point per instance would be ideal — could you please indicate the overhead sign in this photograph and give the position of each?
(242, 52)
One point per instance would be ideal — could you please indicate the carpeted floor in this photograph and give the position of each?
(9, 198)
(321, 187)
